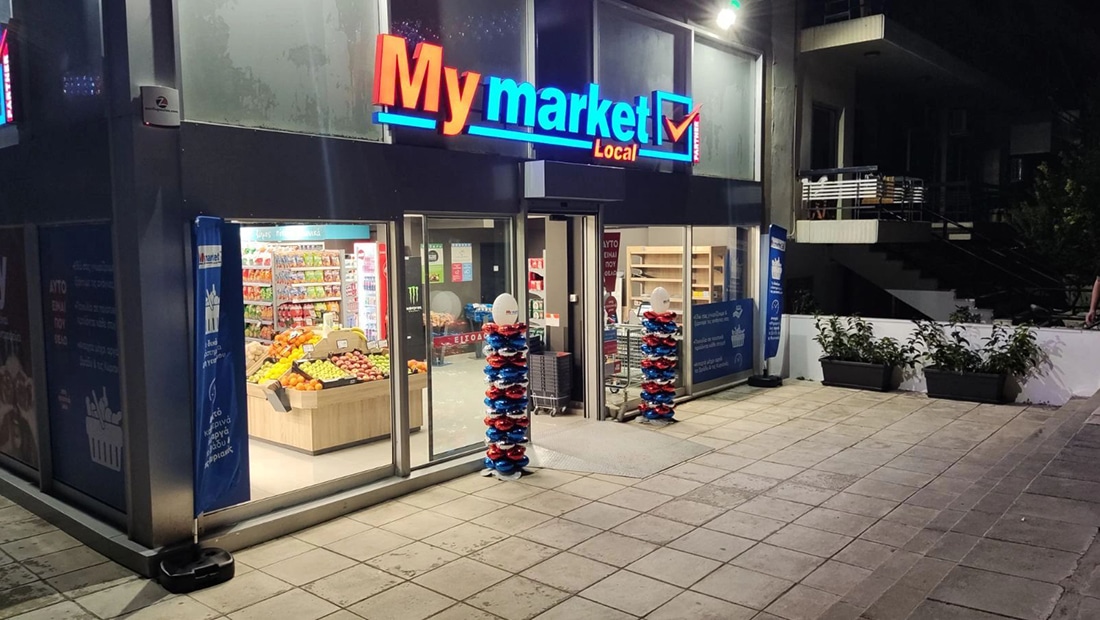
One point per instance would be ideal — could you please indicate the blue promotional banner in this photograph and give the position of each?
(773, 297)
(721, 339)
(221, 417)
(87, 442)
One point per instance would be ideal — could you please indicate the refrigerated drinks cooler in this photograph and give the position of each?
(370, 265)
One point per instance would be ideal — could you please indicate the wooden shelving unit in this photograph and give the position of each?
(536, 297)
(651, 266)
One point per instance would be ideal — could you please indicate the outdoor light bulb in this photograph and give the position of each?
(726, 18)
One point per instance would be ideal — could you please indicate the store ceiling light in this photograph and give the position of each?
(727, 17)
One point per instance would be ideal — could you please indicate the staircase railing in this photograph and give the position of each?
(1008, 261)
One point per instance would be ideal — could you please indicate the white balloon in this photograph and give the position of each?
(505, 310)
(660, 300)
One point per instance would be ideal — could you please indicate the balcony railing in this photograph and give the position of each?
(821, 12)
(860, 193)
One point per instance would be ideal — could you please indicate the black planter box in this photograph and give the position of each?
(858, 375)
(974, 387)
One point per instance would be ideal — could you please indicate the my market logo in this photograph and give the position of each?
(421, 93)
(210, 256)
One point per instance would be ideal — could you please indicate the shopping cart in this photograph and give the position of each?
(622, 370)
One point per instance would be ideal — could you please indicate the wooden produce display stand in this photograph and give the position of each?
(332, 418)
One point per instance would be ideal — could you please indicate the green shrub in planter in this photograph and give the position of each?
(957, 369)
(855, 358)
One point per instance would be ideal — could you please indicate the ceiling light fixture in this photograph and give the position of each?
(727, 17)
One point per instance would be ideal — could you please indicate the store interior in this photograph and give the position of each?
(317, 330)
(317, 343)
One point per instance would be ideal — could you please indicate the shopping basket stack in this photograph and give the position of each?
(551, 381)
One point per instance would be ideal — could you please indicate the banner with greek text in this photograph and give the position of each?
(18, 415)
(87, 437)
(721, 339)
(221, 421)
(773, 297)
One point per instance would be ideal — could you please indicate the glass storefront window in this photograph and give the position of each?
(293, 65)
(724, 84)
(461, 265)
(487, 36)
(721, 329)
(648, 257)
(635, 56)
(317, 352)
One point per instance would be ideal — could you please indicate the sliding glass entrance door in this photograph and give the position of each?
(455, 268)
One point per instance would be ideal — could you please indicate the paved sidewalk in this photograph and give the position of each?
(814, 503)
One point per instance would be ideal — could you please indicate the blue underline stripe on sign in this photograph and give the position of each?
(523, 136)
(664, 155)
(416, 122)
(390, 118)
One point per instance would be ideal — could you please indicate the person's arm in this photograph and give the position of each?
(1091, 318)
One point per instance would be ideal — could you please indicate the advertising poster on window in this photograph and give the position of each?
(415, 338)
(721, 339)
(221, 420)
(82, 380)
(462, 262)
(773, 298)
(435, 263)
(18, 418)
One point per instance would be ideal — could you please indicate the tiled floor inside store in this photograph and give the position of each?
(812, 503)
(456, 422)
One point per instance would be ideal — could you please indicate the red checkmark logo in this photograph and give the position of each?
(676, 130)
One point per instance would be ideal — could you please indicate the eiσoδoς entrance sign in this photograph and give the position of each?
(420, 92)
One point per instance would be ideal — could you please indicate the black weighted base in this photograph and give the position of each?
(765, 381)
(194, 568)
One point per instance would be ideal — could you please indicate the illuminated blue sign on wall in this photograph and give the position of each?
(421, 93)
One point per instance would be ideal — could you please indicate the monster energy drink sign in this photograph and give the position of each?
(415, 340)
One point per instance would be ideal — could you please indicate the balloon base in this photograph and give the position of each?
(659, 421)
(515, 475)
(765, 381)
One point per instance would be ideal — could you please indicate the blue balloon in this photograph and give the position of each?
(663, 398)
(508, 374)
(656, 374)
(659, 328)
(497, 341)
(505, 466)
(522, 462)
(658, 351)
(506, 405)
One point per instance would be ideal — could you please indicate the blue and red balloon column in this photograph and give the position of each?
(506, 397)
(659, 365)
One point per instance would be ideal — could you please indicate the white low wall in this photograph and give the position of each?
(1073, 369)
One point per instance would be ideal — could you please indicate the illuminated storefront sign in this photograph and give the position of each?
(421, 93)
(6, 114)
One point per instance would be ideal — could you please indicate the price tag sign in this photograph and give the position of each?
(383, 343)
(341, 344)
(373, 345)
(308, 348)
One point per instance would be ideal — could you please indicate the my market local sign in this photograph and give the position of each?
(422, 93)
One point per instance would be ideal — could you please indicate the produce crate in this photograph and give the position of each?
(332, 383)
